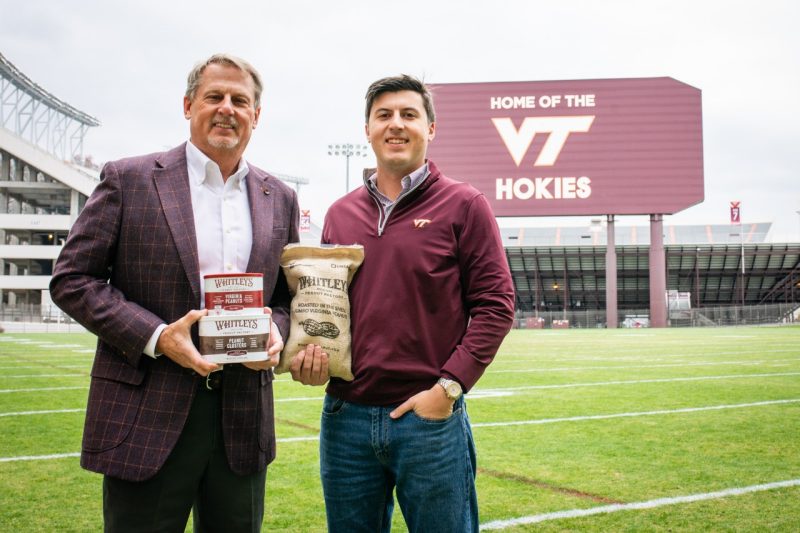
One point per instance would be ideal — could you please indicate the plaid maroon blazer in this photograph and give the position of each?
(129, 264)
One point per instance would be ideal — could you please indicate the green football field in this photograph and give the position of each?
(576, 430)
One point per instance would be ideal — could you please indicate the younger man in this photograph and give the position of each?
(430, 306)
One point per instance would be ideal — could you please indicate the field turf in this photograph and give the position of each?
(576, 430)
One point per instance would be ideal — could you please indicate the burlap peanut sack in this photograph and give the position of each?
(319, 278)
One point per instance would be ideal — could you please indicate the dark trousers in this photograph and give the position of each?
(196, 477)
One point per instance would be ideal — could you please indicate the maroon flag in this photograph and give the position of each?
(735, 213)
(305, 220)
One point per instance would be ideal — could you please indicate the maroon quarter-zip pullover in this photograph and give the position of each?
(434, 296)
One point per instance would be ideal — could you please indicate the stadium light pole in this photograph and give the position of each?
(741, 261)
(798, 216)
(348, 150)
(563, 298)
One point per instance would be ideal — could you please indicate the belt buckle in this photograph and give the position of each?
(214, 380)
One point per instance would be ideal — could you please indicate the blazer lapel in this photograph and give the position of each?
(261, 213)
(171, 179)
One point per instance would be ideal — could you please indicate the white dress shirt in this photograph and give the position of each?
(222, 221)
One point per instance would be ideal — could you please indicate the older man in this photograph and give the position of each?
(170, 431)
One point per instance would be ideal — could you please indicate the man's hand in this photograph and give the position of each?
(310, 366)
(176, 343)
(275, 345)
(432, 404)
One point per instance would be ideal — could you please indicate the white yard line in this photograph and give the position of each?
(41, 389)
(649, 504)
(29, 367)
(632, 414)
(57, 411)
(301, 399)
(65, 346)
(49, 360)
(38, 457)
(49, 412)
(78, 454)
(488, 393)
(645, 358)
(498, 424)
(633, 382)
(626, 367)
(19, 376)
(298, 439)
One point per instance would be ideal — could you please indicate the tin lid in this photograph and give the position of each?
(249, 316)
(240, 275)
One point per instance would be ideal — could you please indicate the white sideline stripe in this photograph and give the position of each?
(41, 389)
(635, 381)
(649, 504)
(631, 415)
(52, 411)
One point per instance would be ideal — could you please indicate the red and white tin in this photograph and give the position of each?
(235, 338)
(233, 293)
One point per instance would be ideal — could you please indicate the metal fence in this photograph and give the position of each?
(30, 317)
(639, 318)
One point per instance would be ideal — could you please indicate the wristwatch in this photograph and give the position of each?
(452, 388)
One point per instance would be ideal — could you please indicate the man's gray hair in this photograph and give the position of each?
(193, 82)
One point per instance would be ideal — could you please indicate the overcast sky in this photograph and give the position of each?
(126, 64)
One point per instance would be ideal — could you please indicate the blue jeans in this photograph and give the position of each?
(364, 455)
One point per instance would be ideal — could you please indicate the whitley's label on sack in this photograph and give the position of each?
(233, 293)
(234, 338)
(319, 278)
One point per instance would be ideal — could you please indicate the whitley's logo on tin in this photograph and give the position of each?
(231, 324)
(233, 282)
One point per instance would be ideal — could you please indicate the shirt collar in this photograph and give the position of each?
(407, 183)
(201, 168)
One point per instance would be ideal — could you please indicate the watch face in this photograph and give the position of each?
(453, 390)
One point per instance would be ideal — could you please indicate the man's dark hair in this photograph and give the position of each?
(394, 84)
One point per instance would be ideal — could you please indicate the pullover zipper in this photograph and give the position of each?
(383, 216)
